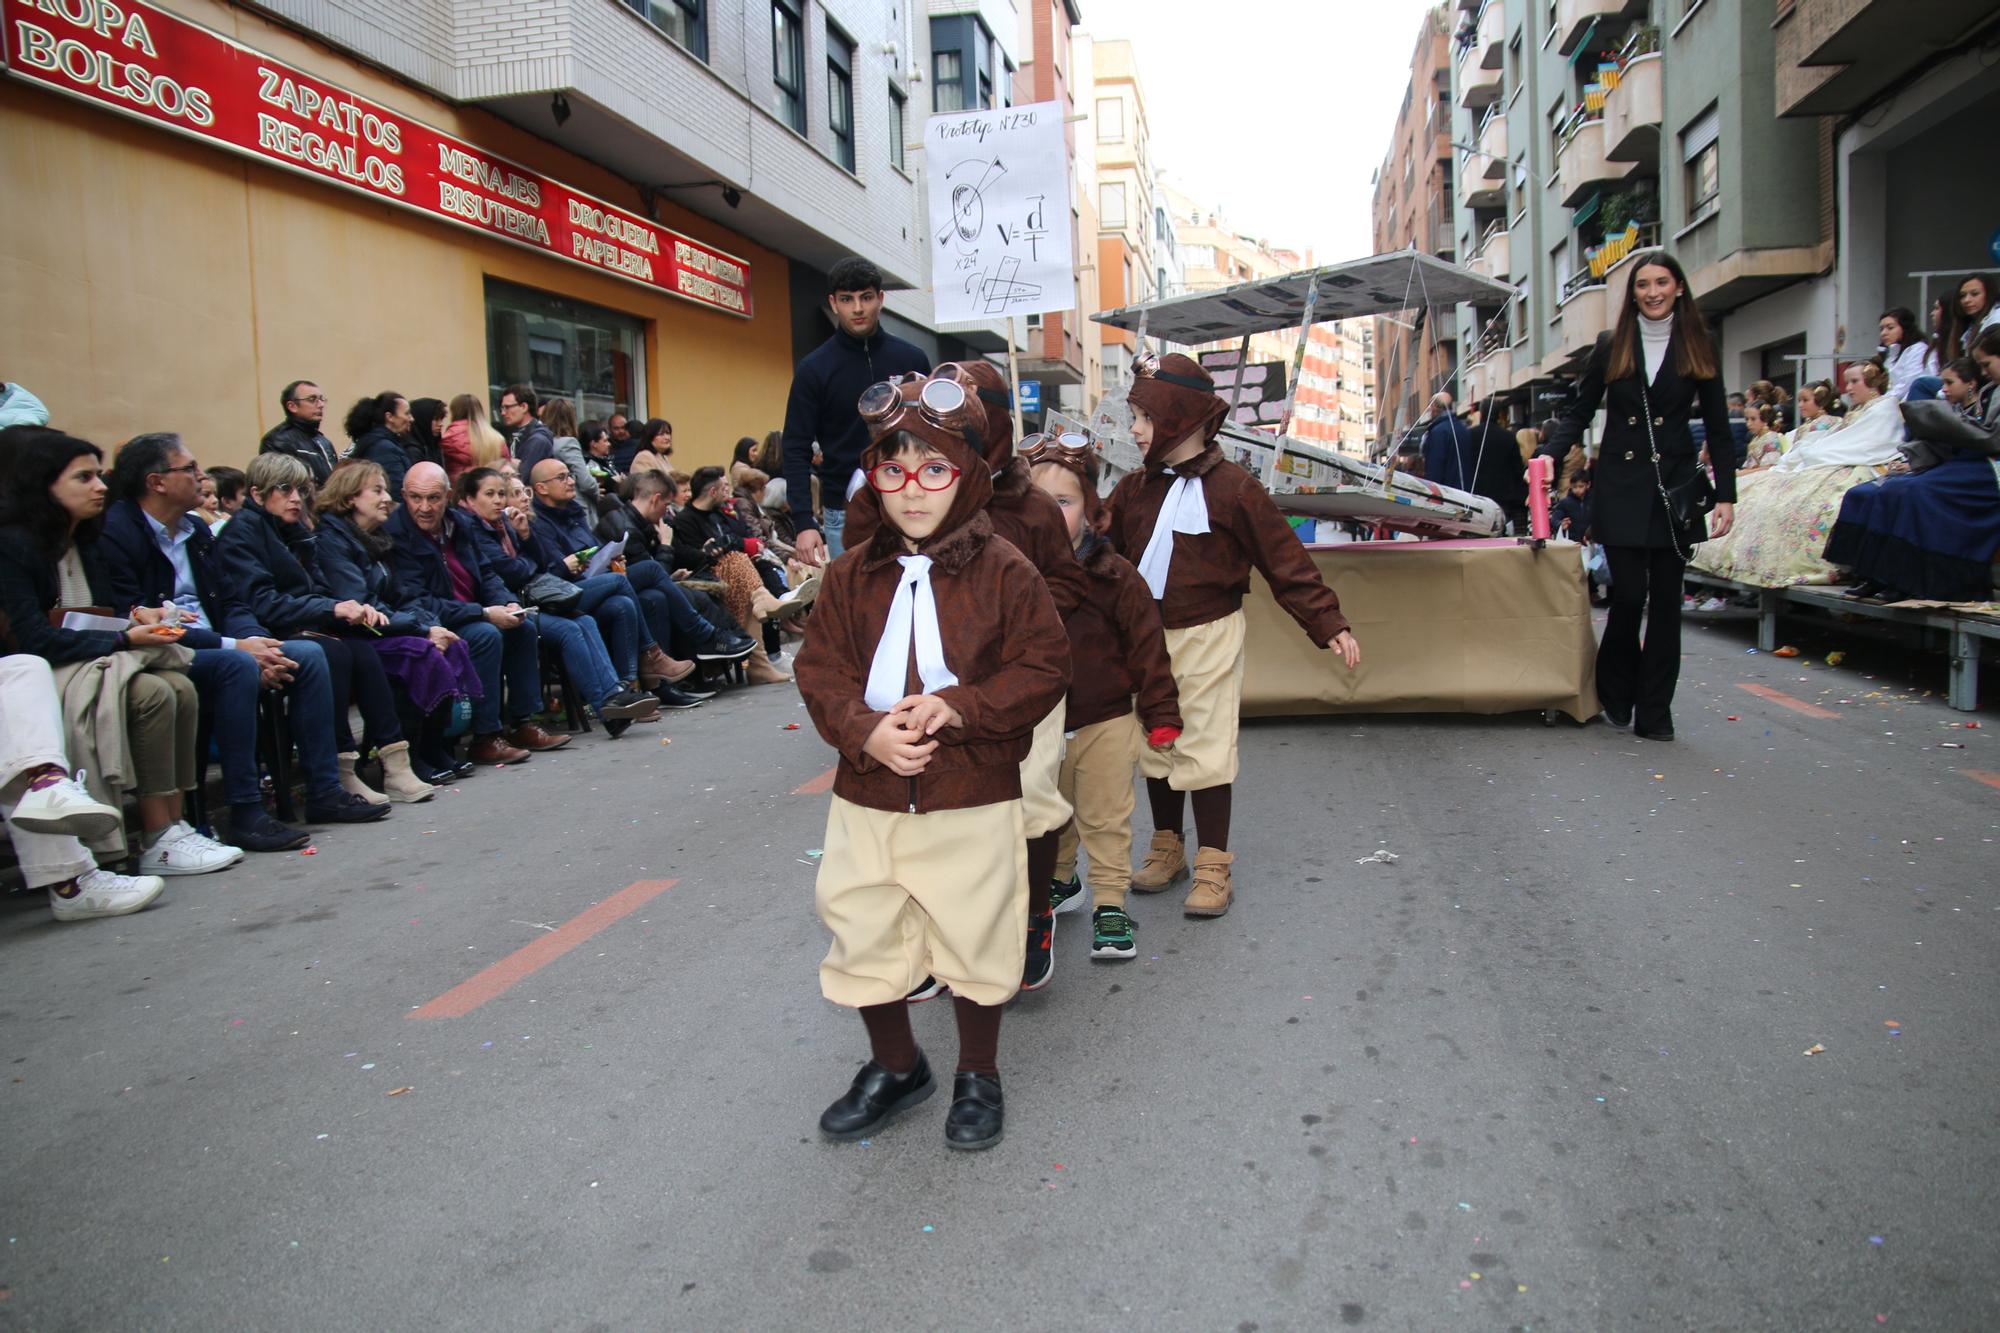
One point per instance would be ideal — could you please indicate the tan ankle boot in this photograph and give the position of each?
(355, 786)
(1165, 865)
(656, 668)
(399, 779)
(759, 669)
(763, 604)
(1212, 888)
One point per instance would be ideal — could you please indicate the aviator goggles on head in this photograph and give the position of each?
(956, 373)
(1069, 448)
(1148, 365)
(943, 403)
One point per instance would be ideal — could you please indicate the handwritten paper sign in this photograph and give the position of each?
(999, 213)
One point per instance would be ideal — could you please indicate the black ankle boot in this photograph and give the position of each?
(977, 1116)
(875, 1096)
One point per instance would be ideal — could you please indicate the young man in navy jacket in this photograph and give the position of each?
(156, 552)
(825, 388)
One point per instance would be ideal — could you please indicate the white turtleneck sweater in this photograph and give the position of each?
(1654, 334)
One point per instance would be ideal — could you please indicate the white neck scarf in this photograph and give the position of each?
(1185, 510)
(913, 618)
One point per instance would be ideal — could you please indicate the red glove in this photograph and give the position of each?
(1161, 737)
(752, 545)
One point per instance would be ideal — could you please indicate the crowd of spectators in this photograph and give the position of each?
(457, 589)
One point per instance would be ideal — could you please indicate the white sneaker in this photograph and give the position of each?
(102, 893)
(1713, 604)
(65, 807)
(182, 851)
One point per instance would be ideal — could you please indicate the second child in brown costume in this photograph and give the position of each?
(1196, 524)
(934, 651)
(1028, 519)
(1117, 650)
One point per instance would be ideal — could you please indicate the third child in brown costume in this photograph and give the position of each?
(1195, 524)
(1026, 517)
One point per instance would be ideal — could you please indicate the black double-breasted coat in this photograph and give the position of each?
(1627, 508)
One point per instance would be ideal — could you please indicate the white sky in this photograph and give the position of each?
(1276, 111)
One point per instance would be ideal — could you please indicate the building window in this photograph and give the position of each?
(840, 96)
(1197, 256)
(683, 20)
(899, 107)
(1701, 150)
(1111, 204)
(947, 81)
(1110, 120)
(788, 61)
(564, 348)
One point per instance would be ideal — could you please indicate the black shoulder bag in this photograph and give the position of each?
(1689, 502)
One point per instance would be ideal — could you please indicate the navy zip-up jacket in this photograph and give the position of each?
(389, 452)
(348, 569)
(271, 566)
(140, 574)
(512, 570)
(826, 387)
(28, 592)
(425, 579)
(560, 533)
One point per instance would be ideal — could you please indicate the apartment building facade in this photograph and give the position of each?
(1134, 254)
(1334, 405)
(1592, 129)
(1415, 208)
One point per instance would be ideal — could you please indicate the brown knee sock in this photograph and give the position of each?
(1169, 806)
(1211, 816)
(1041, 870)
(978, 1036)
(893, 1044)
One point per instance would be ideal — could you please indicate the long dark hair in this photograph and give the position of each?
(1948, 339)
(369, 413)
(1988, 284)
(426, 411)
(1695, 358)
(1906, 320)
(31, 459)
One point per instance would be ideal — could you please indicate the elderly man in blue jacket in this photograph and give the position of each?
(439, 565)
(155, 553)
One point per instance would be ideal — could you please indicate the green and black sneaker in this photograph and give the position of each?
(1065, 895)
(1112, 935)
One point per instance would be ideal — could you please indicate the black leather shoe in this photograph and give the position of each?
(342, 807)
(1615, 718)
(977, 1117)
(1663, 734)
(875, 1096)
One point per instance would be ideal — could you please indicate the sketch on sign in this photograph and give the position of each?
(991, 177)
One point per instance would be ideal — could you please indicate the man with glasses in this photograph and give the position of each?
(528, 439)
(158, 553)
(825, 388)
(299, 433)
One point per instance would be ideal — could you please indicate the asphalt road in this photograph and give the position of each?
(1544, 1071)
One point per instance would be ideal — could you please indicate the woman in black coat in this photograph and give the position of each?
(380, 429)
(1651, 373)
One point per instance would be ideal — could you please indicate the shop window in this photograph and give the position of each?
(948, 81)
(788, 61)
(899, 107)
(564, 348)
(686, 21)
(840, 95)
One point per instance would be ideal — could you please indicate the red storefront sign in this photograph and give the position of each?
(142, 61)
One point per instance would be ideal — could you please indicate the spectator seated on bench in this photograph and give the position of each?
(1784, 512)
(1931, 534)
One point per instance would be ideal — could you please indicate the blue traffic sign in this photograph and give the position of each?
(1029, 396)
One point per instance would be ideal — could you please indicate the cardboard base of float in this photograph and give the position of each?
(1445, 627)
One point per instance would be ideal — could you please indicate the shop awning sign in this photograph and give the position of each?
(141, 61)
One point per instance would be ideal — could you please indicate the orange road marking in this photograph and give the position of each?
(524, 962)
(818, 786)
(1981, 775)
(1785, 700)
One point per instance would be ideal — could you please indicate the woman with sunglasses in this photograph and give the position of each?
(1022, 514)
(1196, 524)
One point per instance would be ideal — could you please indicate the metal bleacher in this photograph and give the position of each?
(1962, 635)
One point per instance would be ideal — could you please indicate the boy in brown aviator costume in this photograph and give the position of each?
(1195, 524)
(934, 651)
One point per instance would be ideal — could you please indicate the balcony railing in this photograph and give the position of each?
(1601, 261)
